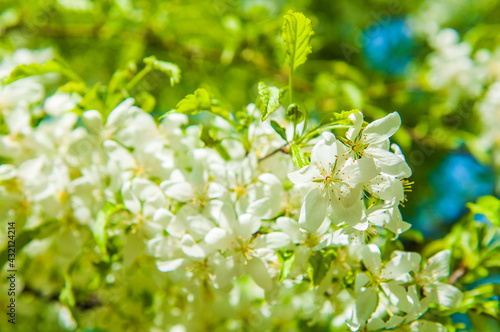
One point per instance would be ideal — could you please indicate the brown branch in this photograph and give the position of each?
(457, 274)
(283, 149)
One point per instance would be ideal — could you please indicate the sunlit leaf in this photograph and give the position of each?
(296, 33)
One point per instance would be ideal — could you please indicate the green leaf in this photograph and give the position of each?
(99, 229)
(219, 111)
(296, 33)
(489, 206)
(341, 118)
(280, 130)
(286, 259)
(93, 98)
(74, 87)
(169, 68)
(207, 137)
(298, 157)
(201, 100)
(33, 69)
(66, 296)
(269, 99)
(318, 265)
(195, 103)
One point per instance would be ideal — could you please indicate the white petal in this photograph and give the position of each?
(401, 263)
(224, 272)
(258, 271)
(119, 154)
(357, 119)
(388, 162)
(260, 208)
(438, 266)
(7, 172)
(425, 326)
(130, 201)
(226, 217)
(396, 223)
(444, 294)
(358, 171)
(353, 215)
(118, 115)
(324, 153)
(276, 240)
(386, 187)
(397, 295)
(381, 129)
(216, 190)
(291, 228)
(169, 266)
(219, 238)
(191, 248)
(366, 302)
(247, 225)
(394, 321)
(162, 217)
(313, 210)
(93, 121)
(325, 226)
(370, 255)
(303, 175)
(181, 191)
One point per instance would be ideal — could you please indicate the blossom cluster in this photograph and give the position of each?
(244, 233)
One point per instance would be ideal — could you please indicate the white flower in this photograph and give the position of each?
(339, 180)
(235, 236)
(384, 280)
(437, 268)
(372, 142)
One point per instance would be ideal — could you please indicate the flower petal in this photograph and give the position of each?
(324, 153)
(370, 255)
(191, 248)
(313, 210)
(401, 263)
(357, 119)
(444, 294)
(258, 271)
(381, 129)
(438, 266)
(170, 265)
(388, 162)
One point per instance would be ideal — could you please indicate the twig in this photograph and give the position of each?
(457, 274)
(283, 149)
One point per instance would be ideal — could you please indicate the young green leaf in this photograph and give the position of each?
(169, 68)
(286, 259)
(298, 157)
(99, 230)
(280, 130)
(207, 138)
(296, 33)
(200, 101)
(33, 69)
(269, 99)
(489, 206)
(341, 118)
(318, 265)
(195, 103)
